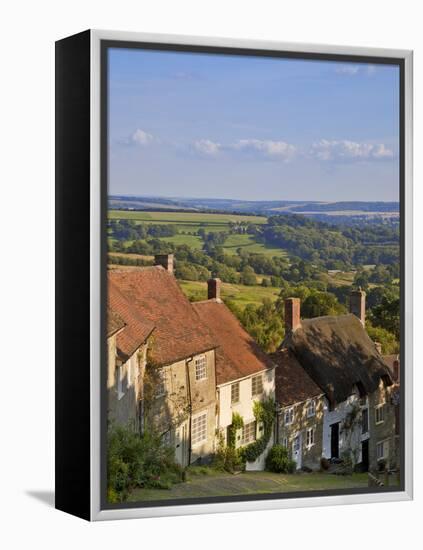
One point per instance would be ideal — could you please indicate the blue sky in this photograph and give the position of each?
(202, 125)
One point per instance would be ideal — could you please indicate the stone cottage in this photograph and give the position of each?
(127, 342)
(244, 373)
(338, 355)
(300, 410)
(178, 395)
(384, 418)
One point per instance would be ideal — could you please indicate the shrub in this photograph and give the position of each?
(278, 460)
(138, 461)
(324, 463)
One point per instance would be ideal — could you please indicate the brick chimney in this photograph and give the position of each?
(358, 304)
(396, 373)
(165, 260)
(213, 289)
(292, 314)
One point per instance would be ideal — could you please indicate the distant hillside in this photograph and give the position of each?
(345, 211)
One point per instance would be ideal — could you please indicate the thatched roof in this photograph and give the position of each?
(337, 353)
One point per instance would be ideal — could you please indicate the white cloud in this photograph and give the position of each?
(344, 150)
(347, 69)
(207, 147)
(272, 149)
(140, 137)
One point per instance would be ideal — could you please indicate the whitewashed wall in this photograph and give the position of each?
(339, 414)
(245, 405)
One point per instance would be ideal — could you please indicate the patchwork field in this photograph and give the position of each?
(188, 218)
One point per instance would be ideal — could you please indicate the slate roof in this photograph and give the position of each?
(136, 328)
(238, 355)
(337, 353)
(154, 296)
(293, 384)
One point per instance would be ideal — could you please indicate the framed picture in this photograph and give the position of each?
(234, 299)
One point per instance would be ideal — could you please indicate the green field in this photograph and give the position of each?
(190, 240)
(183, 218)
(240, 294)
(212, 484)
(247, 243)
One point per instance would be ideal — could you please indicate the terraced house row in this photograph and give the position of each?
(186, 369)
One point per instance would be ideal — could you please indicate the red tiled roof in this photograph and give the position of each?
(154, 294)
(293, 384)
(114, 322)
(136, 327)
(238, 355)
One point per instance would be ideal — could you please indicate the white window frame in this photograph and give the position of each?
(254, 380)
(289, 413)
(195, 442)
(310, 437)
(368, 420)
(285, 442)
(119, 382)
(252, 429)
(161, 389)
(200, 368)
(311, 408)
(378, 408)
(385, 449)
(238, 391)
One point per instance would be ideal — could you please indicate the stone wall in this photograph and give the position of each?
(286, 433)
(383, 432)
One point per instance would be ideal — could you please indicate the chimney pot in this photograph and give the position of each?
(165, 260)
(358, 304)
(213, 289)
(292, 314)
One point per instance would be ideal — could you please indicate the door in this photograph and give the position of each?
(334, 440)
(365, 455)
(296, 450)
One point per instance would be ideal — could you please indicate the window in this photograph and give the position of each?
(380, 414)
(285, 442)
(364, 421)
(161, 384)
(201, 368)
(311, 408)
(382, 450)
(199, 429)
(235, 393)
(257, 385)
(119, 382)
(289, 416)
(310, 437)
(248, 433)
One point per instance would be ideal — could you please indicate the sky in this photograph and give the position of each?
(251, 128)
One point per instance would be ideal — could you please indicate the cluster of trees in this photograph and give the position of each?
(129, 230)
(334, 247)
